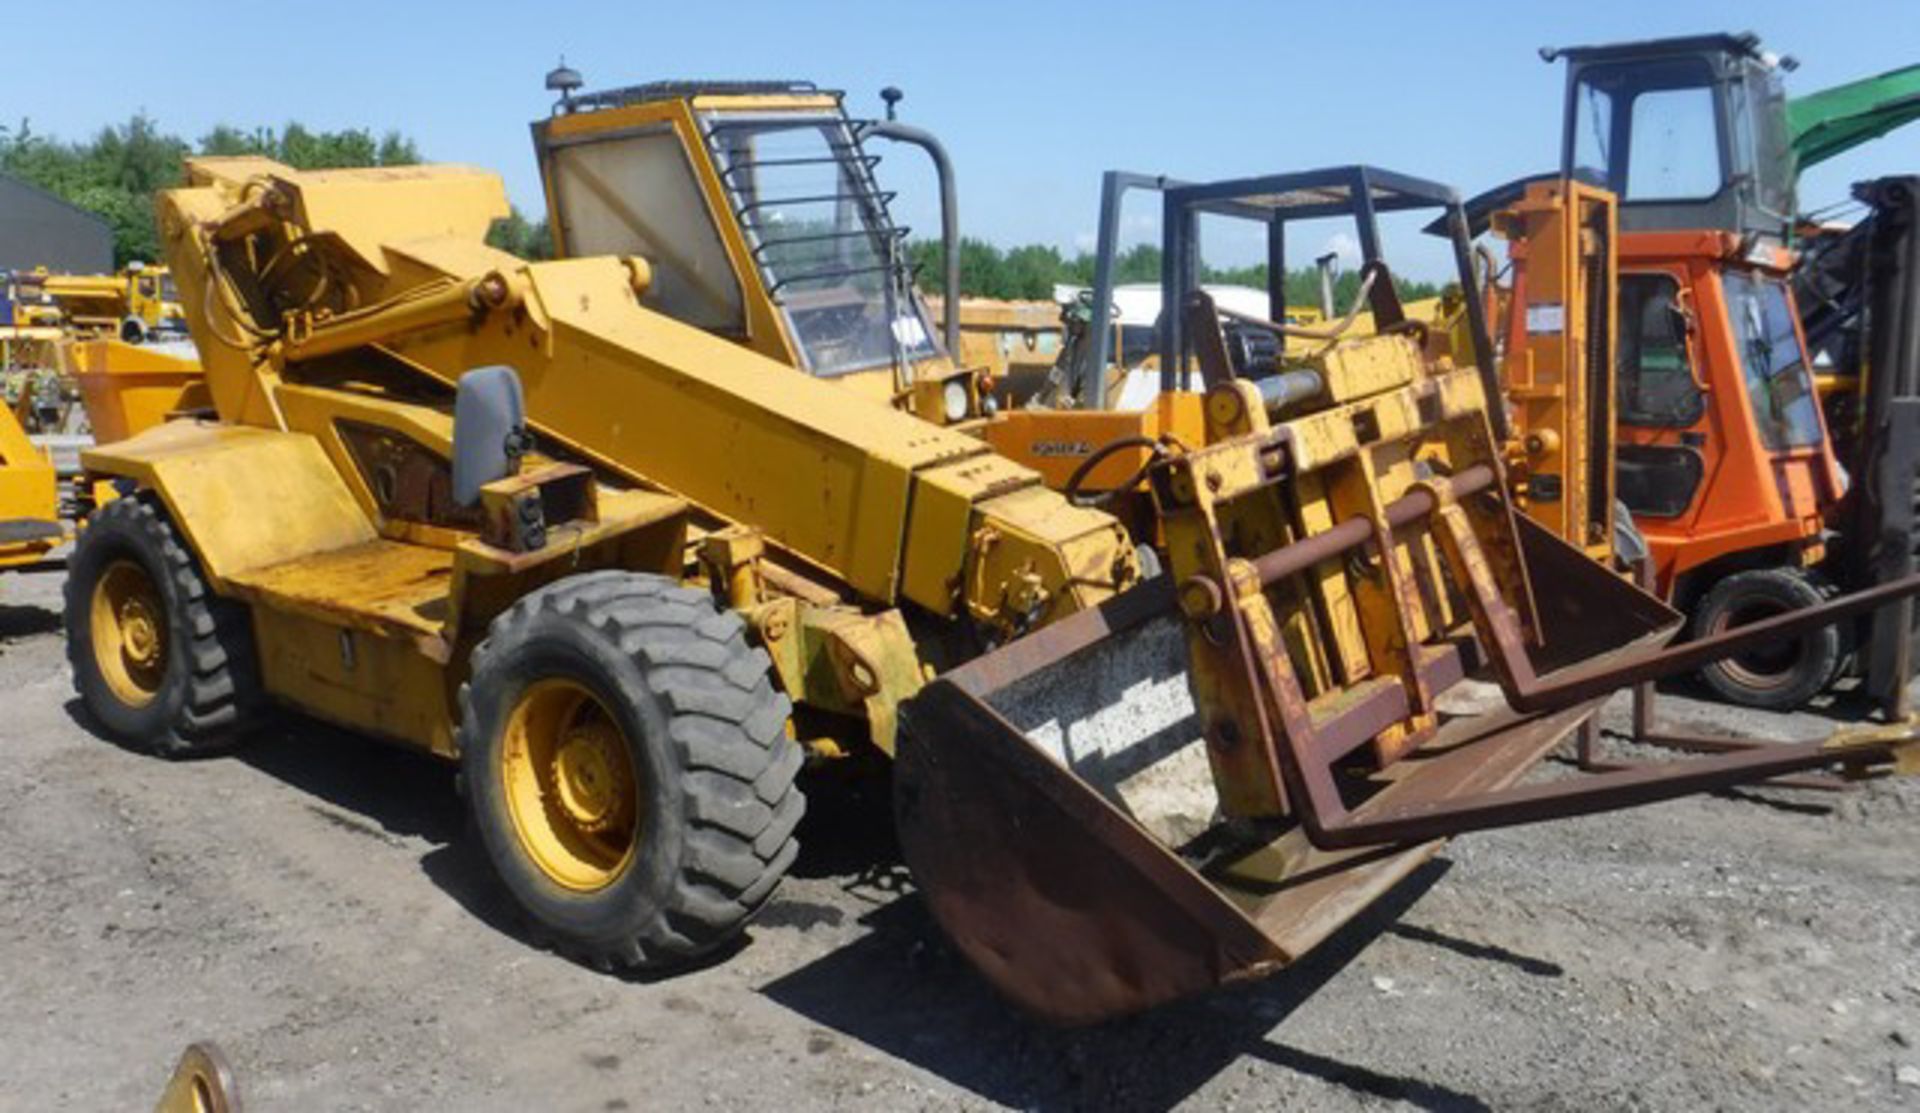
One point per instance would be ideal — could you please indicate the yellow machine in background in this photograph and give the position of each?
(29, 498)
(127, 388)
(29, 326)
(1015, 342)
(1114, 397)
(132, 305)
(121, 389)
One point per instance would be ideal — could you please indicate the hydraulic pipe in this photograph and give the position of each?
(1277, 392)
(455, 301)
(949, 220)
(1354, 532)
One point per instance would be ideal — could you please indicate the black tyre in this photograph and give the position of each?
(133, 331)
(626, 762)
(1785, 672)
(159, 660)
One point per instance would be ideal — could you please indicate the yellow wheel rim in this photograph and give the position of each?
(571, 786)
(129, 624)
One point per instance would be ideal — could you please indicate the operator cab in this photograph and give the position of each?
(1688, 132)
(756, 206)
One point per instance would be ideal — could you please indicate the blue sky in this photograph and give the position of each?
(1033, 99)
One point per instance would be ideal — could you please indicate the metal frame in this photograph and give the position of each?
(1886, 462)
(1646, 732)
(1369, 191)
(1303, 747)
(652, 91)
(1362, 192)
(1088, 377)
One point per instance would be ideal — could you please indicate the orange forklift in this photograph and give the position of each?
(1732, 498)
(1722, 451)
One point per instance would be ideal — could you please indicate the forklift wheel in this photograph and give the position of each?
(157, 658)
(627, 766)
(1780, 675)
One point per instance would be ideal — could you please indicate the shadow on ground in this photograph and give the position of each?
(901, 990)
(27, 621)
(383, 792)
(388, 792)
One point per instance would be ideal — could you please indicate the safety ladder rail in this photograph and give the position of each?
(745, 207)
(736, 166)
(835, 272)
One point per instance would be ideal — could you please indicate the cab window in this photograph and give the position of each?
(634, 193)
(1771, 363)
(1673, 154)
(1655, 378)
(818, 227)
(1649, 129)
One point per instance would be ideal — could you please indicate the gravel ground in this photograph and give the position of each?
(312, 905)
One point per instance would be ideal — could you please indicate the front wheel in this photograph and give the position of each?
(158, 659)
(1782, 673)
(628, 769)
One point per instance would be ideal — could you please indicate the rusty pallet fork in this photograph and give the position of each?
(1074, 908)
(1283, 756)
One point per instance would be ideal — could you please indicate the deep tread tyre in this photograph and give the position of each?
(1774, 677)
(205, 690)
(712, 768)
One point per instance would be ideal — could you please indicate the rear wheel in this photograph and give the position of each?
(626, 762)
(1782, 673)
(157, 658)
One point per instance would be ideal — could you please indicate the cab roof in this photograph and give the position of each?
(1745, 44)
(655, 91)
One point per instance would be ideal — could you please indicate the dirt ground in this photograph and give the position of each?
(312, 905)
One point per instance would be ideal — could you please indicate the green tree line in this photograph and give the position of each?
(1031, 271)
(116, 173)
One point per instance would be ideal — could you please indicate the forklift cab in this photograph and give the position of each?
(1723, 452)
(1687, 132)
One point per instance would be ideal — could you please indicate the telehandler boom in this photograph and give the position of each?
(629, 574)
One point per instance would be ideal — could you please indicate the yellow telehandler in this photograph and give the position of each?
(630, 574)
